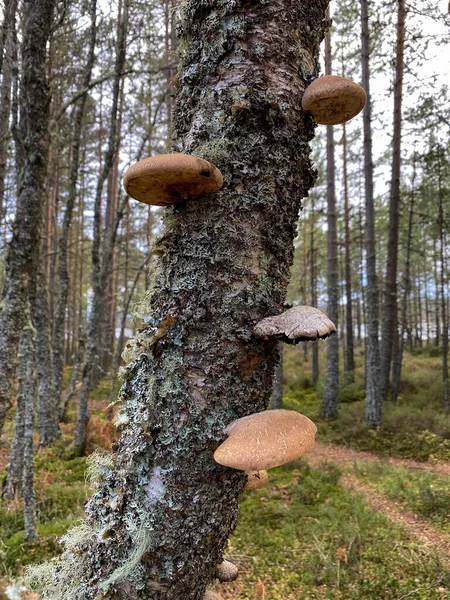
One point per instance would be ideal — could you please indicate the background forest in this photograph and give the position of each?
(372, 252)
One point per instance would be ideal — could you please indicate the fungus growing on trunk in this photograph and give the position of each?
(256, 480)
(226, 571)
(266, 439)
(333, 100)
(171, 178)
(298, 324)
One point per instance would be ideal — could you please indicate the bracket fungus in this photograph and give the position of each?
(171, 178)
(256, 480)
(298, 324)
(333, 100)
(227, 571)
(265, 440)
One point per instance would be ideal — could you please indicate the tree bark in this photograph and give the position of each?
(276, 400)
(159, 523)
(397, 364)
(14, 470)
(444, 310)
(389, 327)
(10, 42)
(349, 350)
(20, 282)
(373, 398)
(331, 391)
(28, 389)
(313, 283)
(47, 405)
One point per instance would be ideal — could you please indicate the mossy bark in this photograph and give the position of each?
(163, 511)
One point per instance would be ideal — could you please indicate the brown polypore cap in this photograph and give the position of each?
(267, 439)
(256, 480)
(226, 571)
(298, 324)
(333, 99)
(171, 178)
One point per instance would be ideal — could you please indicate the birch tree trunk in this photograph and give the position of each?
(349, 350)
(20, 281)
(159, 522)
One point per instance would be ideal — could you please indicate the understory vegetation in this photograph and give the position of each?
(306, 535)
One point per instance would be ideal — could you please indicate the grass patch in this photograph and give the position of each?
(306, 537)
(423, 492)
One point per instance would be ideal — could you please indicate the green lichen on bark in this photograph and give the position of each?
(224, 266)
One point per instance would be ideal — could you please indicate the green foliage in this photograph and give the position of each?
(306, 537)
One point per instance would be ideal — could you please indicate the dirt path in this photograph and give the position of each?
(418, 528)
(347, 456)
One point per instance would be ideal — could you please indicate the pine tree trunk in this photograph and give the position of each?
(444, 309)
(373, 398)
(100, 263)
(63, 273)
(10, 42)
(397, 364)
(14, 471)
(389, 328)
(28, 389)
(47, 404)
(20, 282)
(313, 283)
(331, 391)
(349, 351)
(160, 521)
(276, 400)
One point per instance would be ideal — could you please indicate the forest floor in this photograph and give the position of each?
(365, 516)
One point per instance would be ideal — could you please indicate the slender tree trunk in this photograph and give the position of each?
(73, 380)
(444, 309)
(10, 51)
(373, 398)
(100, 268)
(331, 391)
(47, 405)
(21, 267)
(349, 353)
(276, 400)
(28, 387)
(389, 329)
(397, 364)
(14, 471)
(168, 508)
(313, 282)
(437, 339)
(63, 274)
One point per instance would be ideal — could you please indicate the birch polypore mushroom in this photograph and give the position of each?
(256, 480)
(333, 100)
(298, 324)
(226, 571)
(266, 439)
(171, 178)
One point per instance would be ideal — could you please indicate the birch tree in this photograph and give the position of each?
(160, 518)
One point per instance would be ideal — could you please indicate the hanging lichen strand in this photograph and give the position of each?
(158, 523)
